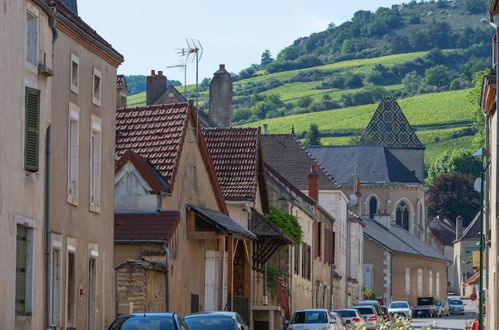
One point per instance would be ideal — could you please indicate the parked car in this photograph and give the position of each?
(351, 317)
(370, 315)
(340, 323)
(456, 306)
(149, 321)
(216, 321)
(373, 303)
(401, 308)
(312, 319)
(426, 307)
(442, 308)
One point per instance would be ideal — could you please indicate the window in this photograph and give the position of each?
(95, 164)
(306, 261)
(194, 303)
(407, 281)
(75, 74)
(96, 90)
(73, 153)
(91, 293)
(71, 286)
(55, 287)
(24, 260)
(318, 238)
(32, 38)
(402, 215)
(31, 129)
(373, 207)
(420, 282)
(297, 259)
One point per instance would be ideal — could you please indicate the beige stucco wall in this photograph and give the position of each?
(77, 222)
(462, 260)
(322, 271)
(21, 193)
(373, 255)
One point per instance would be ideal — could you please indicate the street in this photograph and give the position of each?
(450, 322)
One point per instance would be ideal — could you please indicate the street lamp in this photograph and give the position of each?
(480, 153)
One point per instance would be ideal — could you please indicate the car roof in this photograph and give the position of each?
(201, 314)
(344, 309)
(362, 306)
(147, 315)
(311, 310)
(368, 302)
(399, 301)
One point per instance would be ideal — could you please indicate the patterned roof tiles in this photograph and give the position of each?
(155, 133)
(234, 152)
(390, 128)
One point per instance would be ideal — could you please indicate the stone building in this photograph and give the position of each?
(465, 244)
(399, 266)
(291, 160)
(440, 234)
(26, 36)
(165, 172)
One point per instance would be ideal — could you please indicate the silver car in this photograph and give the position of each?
(456, 306)
(371, 317)
(312, 319)
(351, 316)
(401, 308)
(442, 308)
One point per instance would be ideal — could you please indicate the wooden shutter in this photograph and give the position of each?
(303, 260)
(317, 252)
(21, 260)
(333, 247)
(31, 129)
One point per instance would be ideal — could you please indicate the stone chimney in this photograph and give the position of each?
(313, 183)
(383, 218)
(221, 98)
(459, 227)
(156, 86)
(265, 128)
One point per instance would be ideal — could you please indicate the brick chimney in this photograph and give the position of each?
(221, 98)
(313, 183)
(156, 86)
(459, 227)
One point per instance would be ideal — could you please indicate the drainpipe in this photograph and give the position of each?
(167, 277)
(46, 218)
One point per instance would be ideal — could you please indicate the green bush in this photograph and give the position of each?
(287, 223)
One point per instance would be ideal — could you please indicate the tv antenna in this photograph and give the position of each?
(184, 68)
(193, 53)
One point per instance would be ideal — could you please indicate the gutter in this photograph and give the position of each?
(47, 227)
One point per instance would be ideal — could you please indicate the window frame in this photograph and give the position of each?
(95, 130)
(74, 116)
(56, 246)
(70, 249)
(96, 99)
(33, 12)
(30, 266)
(75, 88)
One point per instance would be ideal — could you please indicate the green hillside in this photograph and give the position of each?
(442, 120)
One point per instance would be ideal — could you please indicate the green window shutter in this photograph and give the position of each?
(21, 261)
(31, 129)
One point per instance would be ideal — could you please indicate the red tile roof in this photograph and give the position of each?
(234, 152)
(146, 226)
(156, 133)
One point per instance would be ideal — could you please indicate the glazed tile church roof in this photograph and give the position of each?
(390, 128)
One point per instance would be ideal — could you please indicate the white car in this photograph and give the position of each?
(312, 319)
(370, 315)
(351, 316)
(401, 308)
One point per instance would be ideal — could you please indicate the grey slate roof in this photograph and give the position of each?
(222, 222)
(472, 232)
(286, 155)
(398, 240)
(372, 164)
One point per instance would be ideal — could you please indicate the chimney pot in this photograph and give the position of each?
(156, 86)
(153, 72)
(459, 227)
(160, 73)
(222, 67)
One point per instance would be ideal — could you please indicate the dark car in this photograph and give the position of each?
(148, 321)
(216, 321)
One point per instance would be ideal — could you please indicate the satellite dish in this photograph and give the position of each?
(477, 184)
(352, 200)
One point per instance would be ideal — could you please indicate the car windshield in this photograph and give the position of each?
(346, 313)
(145, 323)
(399, 305)
(455, 302)
(210, 322)
(365, 310)
(309, 317)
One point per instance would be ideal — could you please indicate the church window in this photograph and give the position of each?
(402, 215)
(373, 207)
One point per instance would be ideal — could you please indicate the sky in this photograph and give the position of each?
(232, 32)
